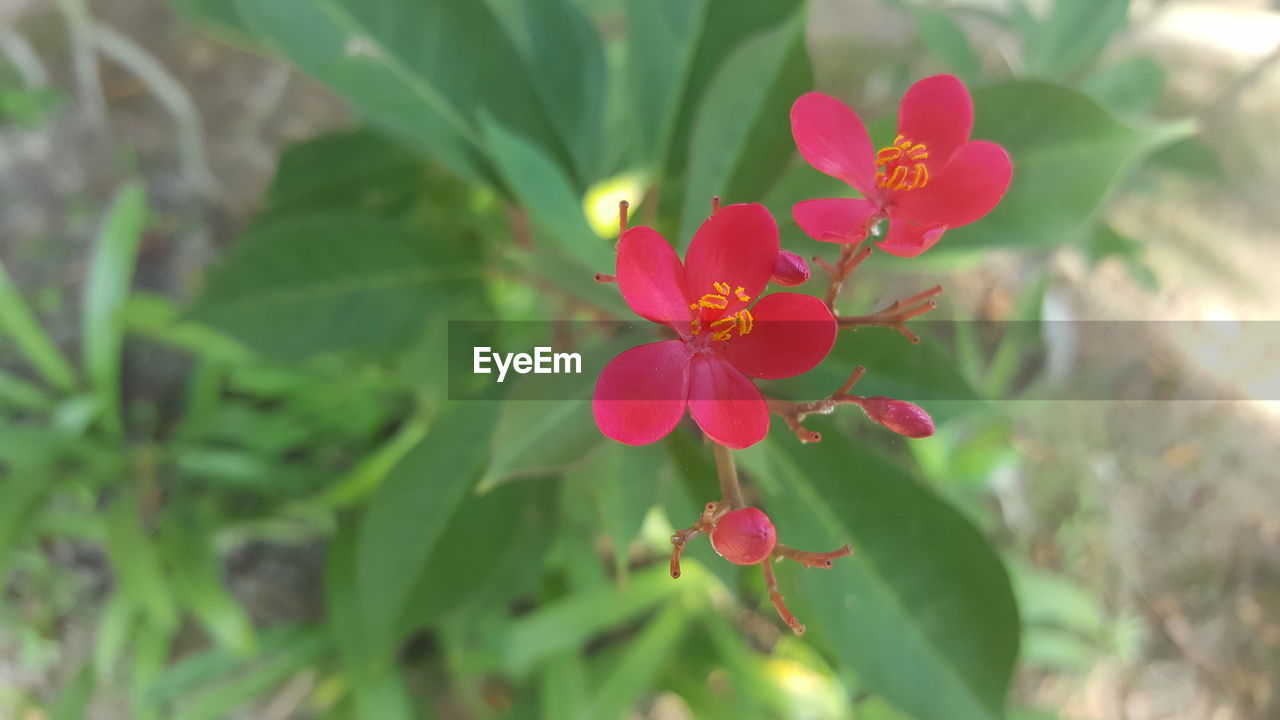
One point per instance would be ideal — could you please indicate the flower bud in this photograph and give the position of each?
(790, 269)
(744, 537)
(899, 416)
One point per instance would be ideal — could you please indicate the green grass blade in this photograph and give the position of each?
(110, 274)
(17, 322)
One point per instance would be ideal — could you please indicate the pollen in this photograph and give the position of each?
(714, 302)
(740, 322)
(722, 313)
(902, 165)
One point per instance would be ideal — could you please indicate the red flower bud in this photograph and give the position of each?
(744, 537)
(899, 416)
(790, 269)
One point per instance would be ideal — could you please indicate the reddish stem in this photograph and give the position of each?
(779, 602)
(706, 522)
(897, 314)
(812, 559)
(794, 413)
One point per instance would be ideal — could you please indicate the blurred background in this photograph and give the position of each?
(232, 484)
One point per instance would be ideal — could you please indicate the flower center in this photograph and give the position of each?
(903, 166)
(722, 313)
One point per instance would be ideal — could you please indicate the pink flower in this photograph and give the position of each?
(722, 337)
(933, 177)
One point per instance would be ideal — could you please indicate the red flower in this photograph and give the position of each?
(931, 178)
(723, 338)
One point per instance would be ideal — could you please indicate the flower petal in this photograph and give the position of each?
(650, 277)
(908, 239)
(938, 112)
(725, 404)
(832, 138)
(737, 245)
(967, 187)
(791, 334)
(641, 394)
(840, 220)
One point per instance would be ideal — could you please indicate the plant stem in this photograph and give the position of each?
(730, 490)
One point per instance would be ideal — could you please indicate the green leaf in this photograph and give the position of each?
(661, 40)
(638, 664)
(299, 285)
(1075, 33)
(1131, 87)
(946, 40)
(546, 193)
(566, 60)
(17, 322)
(1068, 154)
(725, 26)
(110, 274)
(563, 687)
(19, 394)
(741, 141)
(674, 49)
(1058, 650)
(212, 684)
(568, 623)
(372, 469)
(426, 70)
(494, 552)
(133, 556)
(74, 696)
(197, 578)
(411, 512)
(536, 437)
(379, 694)
(22, 489)
(357, 169)
(623, 481)
(115, 623)
(922, 610)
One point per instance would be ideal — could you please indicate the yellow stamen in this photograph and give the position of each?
(715, 302)
(902, 165)
(898, 179)
(741, 294)
(745, 322)
(721, 287)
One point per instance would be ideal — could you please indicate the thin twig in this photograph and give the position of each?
(730, 489)
(779, 602)
(897, 314)
(794, 413)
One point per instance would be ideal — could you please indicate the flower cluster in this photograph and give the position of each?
(727, 330)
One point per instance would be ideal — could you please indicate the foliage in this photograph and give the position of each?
(520, 549)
